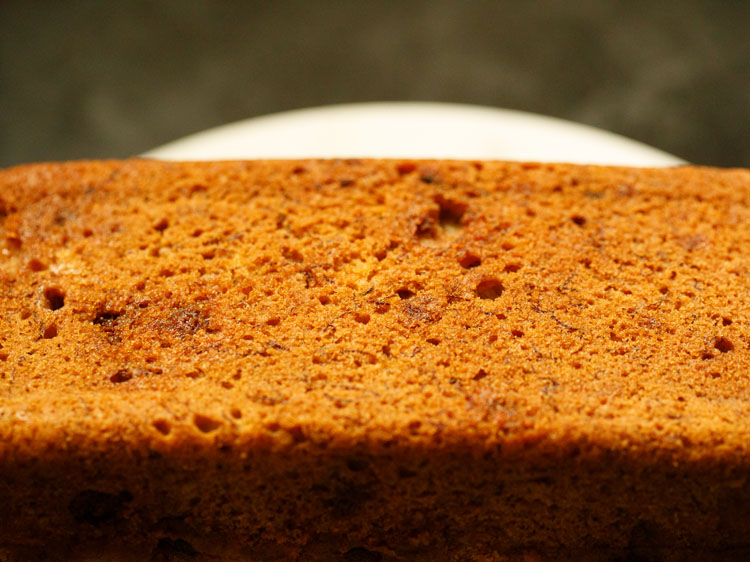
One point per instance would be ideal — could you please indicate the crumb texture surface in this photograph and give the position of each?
(356, 328)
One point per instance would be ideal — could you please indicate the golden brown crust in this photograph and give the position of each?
(376, 329)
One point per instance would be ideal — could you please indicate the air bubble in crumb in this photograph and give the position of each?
(162, 426)
(724, 345)
(451, 211)
(36, 265)
(489, 289)
(578, 220)
(362, 317)
(206, 424)
(54, 298)
(292, 254)
(162, 225)
(123, 375)
(470, 260)
(481, 373)
(50, 332)
(405, 168)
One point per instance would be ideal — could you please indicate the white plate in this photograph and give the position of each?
(413, 130)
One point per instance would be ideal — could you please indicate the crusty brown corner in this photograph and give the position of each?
(374, 360)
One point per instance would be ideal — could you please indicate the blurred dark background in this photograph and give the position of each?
(113, 79)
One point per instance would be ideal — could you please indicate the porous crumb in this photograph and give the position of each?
(374, 360)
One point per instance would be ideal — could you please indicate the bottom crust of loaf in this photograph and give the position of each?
(326, 548)
(349, 506)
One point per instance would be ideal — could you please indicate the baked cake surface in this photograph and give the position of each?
(374, 360)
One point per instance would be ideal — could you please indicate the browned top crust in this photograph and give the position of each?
(544, 309)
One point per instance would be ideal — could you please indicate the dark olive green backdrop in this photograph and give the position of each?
(100, 79)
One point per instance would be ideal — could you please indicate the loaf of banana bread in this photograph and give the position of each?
(374, 360)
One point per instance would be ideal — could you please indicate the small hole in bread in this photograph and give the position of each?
(489, 289)
(362, 317)
(36, 265)
(206, 424)
(451, 210)
(123, 375)
(470, 260)
(405, 168)
(162, 426)
(481, 373)
(50, 332)
(724, 345)
(292, 254)
(54, 298)
(106, 318)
